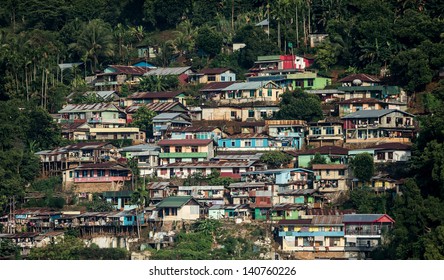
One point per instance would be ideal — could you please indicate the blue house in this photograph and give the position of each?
(121, 200)
(244, 142)
(127, 218)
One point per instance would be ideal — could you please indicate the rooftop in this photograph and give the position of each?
(329, 166)
(247, 86)
(174, 201)
(158, 107)
(216, 86)
(152, 95)
(209, 164)
(96, 107)
(168, 71)
(326, 150)
(185, 142)
(362, 77)
(213, 71)
(365, 114)
(102, 165)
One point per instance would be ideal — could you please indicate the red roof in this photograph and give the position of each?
(216, 86)
(213, 71)
(362, 77)
(184, 142)
(152, 95)
(392, 146)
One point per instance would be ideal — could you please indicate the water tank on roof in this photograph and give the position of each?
(357, 82)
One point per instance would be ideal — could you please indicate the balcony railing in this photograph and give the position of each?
(102, 120)
(101, 179)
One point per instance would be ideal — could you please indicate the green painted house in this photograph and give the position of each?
(332, 154)
(309, 80)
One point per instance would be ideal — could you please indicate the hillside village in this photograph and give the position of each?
(296, 156)
(226, 136)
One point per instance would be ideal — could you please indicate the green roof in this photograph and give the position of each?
(174, 201)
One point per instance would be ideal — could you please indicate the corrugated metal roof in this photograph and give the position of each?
(361, 218)
(158, 107)
(184, 142)
(327, 220)
(167, 71)
(209, 164)
(174, 201)
(152, 95)
(96, 107)
(329, 166)
(364, 114)
(213, 71)
(102, 165)
(216, 86)
(247, 86)
(362, 77)
(166, 116)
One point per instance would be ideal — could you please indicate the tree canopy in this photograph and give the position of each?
(299, 105)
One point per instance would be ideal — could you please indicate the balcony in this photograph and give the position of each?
(102, 120)
(102, 179)
(183, 155)
(239, 194)
(380, 139)
(312, 233)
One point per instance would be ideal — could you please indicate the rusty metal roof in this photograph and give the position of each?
(95, 107)
(159, 107)
(216, 86)
(154, 95)
(327, 220)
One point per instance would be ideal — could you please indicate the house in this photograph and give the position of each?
(240, 112)
(121, 200)
(53, 162)
(156, 97)
(147, 157)
(195, 132)
(25, 241)
(77, 130)
(248, 92)
(307, 80)
(237, 211)
(232, 169)
(214, 90)
(332, 154)
(290, 131)
(378, 126)
(279, 62)
(96, 177)
(319, 235)
(382, 183)
(205, 195)
(216, 212)
(240, 193)
(330, 177)
(159, 190)
(358, 104)
(96, 115)
(159, 108)
(114, 76)
(285, 211)
(386, 152)
(238, 142)
(327, 95)
(178, 208)
(360, 79)
(163, 122)
(118, 133)
(210, 75)
(325, 133)
(126, 218)
(364, 232)
(182, 73)
(185, 150)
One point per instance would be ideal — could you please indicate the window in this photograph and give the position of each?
(380, 156)
(263, 115)
(330, 130)
(85, 173)
(178, 149)
(316, 130)
(389, 120)
(247, 143)
(231, 94)
(91, 173)
(310, 83)
(236, 170)
(390, 155)
(233, 114)
(252, 93)
(299, 83)
(238, 94)
(259, 142)
(269, 92)
(100, 173)
(342, 172)
(166, 149)
(233, 143)
(194, 149)
(260, 93)
(178, 160)
(250, 113)
(327, 171)
(222, 78)
(211, 78)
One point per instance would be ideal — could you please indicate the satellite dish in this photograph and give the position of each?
(357, 82)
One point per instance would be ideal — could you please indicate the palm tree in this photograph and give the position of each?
(95, 42)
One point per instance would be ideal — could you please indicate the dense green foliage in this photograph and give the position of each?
(363, 166)
(317, 159)
(298, 105)
(199, 244)
(72, 248)
(276, 159)
(143, 119)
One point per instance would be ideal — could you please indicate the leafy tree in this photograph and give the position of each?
(159, 83)
(317, 159)
(298, 105)
(143, 119)
(8, 250)
(276, 159)
(363, 166)
(209, 41)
